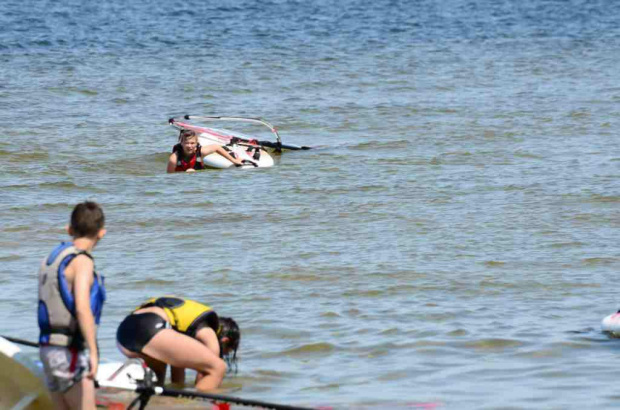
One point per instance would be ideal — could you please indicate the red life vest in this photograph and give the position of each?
(194, 162)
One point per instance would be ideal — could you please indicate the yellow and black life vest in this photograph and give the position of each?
(185, 316)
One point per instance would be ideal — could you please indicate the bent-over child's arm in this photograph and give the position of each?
(177, 375)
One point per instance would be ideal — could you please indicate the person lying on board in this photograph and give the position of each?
(184, 334)
(71, 297)
(188, 154)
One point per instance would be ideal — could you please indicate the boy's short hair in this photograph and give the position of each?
(87, 220)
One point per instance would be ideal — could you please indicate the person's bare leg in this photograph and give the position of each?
(81, 395)
(178, 350)
(59, 401)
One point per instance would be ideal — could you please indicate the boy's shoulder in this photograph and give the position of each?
(82, 264)
(82, 259)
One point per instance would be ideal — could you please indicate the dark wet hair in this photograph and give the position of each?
(87, 220)
(230, 329)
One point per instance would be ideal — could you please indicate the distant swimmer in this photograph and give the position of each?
(181, 333)
(188, 154)
(71, 297)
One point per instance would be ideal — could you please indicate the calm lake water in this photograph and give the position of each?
(450, 241)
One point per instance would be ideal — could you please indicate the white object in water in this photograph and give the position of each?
(611, 324)
(128, 375)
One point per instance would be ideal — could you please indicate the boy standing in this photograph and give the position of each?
(71, 297)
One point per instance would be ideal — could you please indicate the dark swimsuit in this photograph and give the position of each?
(138, 329)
